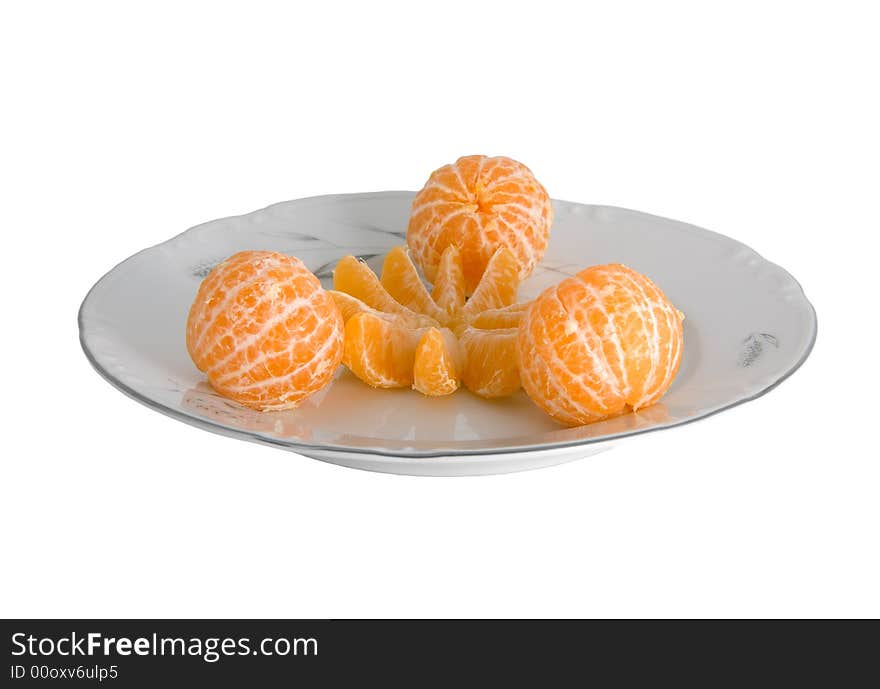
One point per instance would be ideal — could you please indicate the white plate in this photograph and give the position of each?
(748, 327)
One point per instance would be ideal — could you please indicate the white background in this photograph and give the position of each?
(122, 126)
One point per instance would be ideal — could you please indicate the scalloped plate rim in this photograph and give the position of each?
(449, 454)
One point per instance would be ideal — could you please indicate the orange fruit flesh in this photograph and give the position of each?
(448, 292)
(349, 306)
(505, 317)
(264, 331)
(401, 279)
(354, 277)
(599, 344)
(479, 204)
(491, 364)
(497, 287)
(438, 363)
(380, 349)
(392, 341)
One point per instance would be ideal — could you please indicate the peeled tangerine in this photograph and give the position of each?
(479, 204)
(264, 331)
(397, 334)
(598, 344)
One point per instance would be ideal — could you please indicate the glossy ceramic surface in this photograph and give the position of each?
(748, 326)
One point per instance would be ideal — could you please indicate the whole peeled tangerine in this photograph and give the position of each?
(599, 344)
(264, 331)
(479, 204)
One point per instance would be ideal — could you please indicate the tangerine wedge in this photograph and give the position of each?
(349, 306)
(491, 361)
(438, 363)
(448, 292)
(380, 349)
(401, 279)
(354, 277)
(497, 287)
(504, 317)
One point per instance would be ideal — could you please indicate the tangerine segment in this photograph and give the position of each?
(498, 285)
(448, 291)
(598, 343)
(264, 331)
(355, 278)
(401, 279)
(491, 361)
(505, 317)
(479, 204)
(380, 349)
(438, 363)
(349, 306)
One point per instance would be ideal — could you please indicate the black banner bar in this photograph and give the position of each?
(120, 653)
